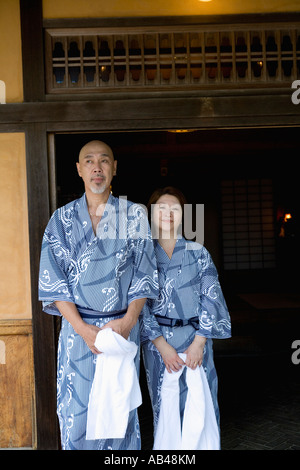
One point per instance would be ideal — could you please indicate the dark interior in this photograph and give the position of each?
(197, 162)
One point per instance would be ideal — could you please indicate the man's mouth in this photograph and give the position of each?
(98, 179)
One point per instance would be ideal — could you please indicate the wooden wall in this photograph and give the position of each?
(17, 407)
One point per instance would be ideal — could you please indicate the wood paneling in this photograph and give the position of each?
(17, 427)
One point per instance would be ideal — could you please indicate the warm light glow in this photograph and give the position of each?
(287, 216)
(204, 0)
(181, 131)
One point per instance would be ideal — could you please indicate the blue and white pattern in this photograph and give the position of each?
(75, 374)
(189, 287)
(103, 274)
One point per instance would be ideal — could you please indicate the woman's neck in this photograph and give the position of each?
(168, 244)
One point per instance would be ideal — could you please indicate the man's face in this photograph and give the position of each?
(96, 166)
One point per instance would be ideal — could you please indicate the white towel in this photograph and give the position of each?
(115, 390)
(199, 428)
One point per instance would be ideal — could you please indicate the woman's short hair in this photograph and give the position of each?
(171, 191)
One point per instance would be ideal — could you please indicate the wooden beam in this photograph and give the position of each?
(32, 49)
(42, 325)
(171, 20)
(156, 113)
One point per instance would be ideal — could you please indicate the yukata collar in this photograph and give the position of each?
(84, 207)
(162, 258)
(83, 214)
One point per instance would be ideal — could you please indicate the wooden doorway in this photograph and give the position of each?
(195, 161)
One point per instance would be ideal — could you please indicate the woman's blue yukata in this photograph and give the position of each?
(189, 287)
(102, 275)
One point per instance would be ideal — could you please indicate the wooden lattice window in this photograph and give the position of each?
(248, 224)
(79, 60)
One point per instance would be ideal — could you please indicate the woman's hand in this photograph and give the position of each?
(169, 355)
(194, 353)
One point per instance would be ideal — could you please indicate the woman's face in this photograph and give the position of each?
(167, 215)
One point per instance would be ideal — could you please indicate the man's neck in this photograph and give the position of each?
(96, 200)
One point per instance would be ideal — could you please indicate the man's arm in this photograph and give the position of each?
(87, 332)
(124, 325)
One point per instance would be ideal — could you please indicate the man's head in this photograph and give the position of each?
(96, 166)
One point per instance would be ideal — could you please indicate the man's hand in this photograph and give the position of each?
(124, 325)
(119, 326)
(87, 332)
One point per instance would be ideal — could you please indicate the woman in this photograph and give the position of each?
(190, 310)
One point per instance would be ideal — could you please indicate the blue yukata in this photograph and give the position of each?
(189, 289)
(102, 274)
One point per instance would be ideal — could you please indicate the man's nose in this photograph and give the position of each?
(97, 168)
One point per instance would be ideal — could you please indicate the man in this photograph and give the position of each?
(97, 268)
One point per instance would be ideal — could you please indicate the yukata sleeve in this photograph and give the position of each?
(144, 282)
(214, 318)
(150, 329)
(54, 261)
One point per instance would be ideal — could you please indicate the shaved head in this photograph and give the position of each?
(95, 146)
